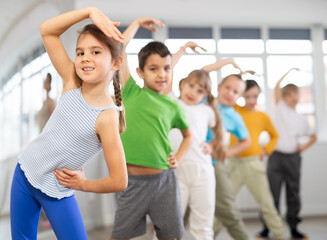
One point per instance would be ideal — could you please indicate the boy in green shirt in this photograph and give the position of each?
(152, 188)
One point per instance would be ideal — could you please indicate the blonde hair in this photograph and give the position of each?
(116, 50)
(202, 78)
(286, 90)
(239, 76)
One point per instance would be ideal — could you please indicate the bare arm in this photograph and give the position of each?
(312, 140)
(54, 27)
(174, 160)
(129, 33)
(270, 128)
(107, 129)
(278, 90)
(219, 64)
(239, 147)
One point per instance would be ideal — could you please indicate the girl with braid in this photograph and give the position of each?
(86, 120)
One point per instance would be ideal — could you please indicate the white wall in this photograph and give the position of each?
(207, 12)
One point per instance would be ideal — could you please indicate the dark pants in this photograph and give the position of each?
(286, 168)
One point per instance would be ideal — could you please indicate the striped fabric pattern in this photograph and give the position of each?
(68, 140)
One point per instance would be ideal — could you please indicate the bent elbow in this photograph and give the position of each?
(42, 29)
(121, 188)
(247, 143)
(314, 137)
(122, 185)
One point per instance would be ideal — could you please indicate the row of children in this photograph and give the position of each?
(85, 121)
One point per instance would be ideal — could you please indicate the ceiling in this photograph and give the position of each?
(181, 12)
(12, 12)
(230, 12)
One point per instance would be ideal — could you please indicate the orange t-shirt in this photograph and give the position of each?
(256, 122)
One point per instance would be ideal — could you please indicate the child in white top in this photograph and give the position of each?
(196, 174)
(284, 164)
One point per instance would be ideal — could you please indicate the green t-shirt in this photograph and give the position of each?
(149, 118)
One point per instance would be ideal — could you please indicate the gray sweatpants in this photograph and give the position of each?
(155, 195)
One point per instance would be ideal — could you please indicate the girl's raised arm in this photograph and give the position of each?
(54, 27)
(219, 64)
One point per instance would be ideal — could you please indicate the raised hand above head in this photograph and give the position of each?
(248, 71)
(296, 69)
(107, 26)
(219, 64)
(193, 46)
(150, 23)
(145, 22)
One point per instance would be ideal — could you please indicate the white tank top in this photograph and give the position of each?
(68, 140)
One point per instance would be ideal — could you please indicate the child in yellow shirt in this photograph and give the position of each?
(248, 168)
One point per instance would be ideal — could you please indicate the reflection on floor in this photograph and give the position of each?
(316, 227)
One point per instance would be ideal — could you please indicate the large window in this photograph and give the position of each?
(324, 48)
(11, 122)
(325, 63)
(292, 48)
(21, 98)
(289, 46)
(241, 46)
(270, 55)
(240, 41)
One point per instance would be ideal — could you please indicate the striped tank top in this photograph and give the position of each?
(68, 140)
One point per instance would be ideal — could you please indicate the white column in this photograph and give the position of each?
(319, 81)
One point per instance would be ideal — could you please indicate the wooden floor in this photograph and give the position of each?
(316, 227)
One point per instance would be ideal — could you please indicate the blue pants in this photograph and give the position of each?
(25, 208)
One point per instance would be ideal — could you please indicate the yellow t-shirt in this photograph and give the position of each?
(256, 122)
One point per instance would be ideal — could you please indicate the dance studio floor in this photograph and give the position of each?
(316, 227)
